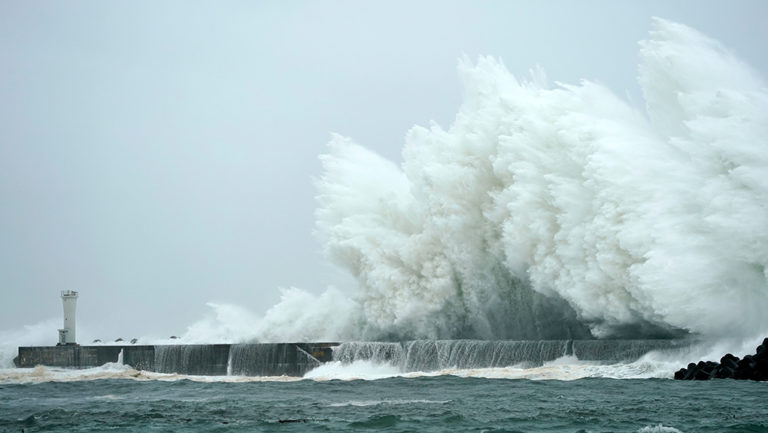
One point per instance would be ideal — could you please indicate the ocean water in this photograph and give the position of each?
(35, 403)
(459, 385)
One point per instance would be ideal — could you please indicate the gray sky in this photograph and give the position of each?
(159, 155)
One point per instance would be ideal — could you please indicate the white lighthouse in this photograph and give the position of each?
(67, 334)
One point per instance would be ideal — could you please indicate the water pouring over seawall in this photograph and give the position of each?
(296, 359)
(432, 355)
(270, 359)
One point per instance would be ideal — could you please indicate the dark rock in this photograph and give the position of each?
(747, 364)
(753, 367)
(723, 372)
(701, 375)
(762, 348)
(690, 372)
(729, 361)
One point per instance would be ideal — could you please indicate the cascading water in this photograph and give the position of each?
(194, 359)
(393, 353)
(425, 355)
(624, 350)
(433, 355)
(140, 358)
(274, 359)
(263, 359)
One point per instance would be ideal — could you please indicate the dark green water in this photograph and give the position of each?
(442, 403)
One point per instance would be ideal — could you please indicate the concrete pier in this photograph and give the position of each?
(276, 359)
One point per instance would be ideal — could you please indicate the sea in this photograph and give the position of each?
(375, 393)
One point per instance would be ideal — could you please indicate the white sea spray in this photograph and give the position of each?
(545, 210)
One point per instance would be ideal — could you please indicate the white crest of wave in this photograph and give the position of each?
(542, 209)
(357, 370)
(652, 365)
(367, 403)
(658, 429)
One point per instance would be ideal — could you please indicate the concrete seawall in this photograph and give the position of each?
(296, 359)
(275, 359)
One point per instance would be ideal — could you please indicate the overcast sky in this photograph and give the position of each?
(156, 156)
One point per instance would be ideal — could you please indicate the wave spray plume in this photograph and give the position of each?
(557, 212)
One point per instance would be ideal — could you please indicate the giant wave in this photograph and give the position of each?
(549, 212)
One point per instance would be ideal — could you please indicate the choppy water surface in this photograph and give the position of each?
(423, 403)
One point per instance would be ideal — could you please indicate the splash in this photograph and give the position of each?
(226, 324)
(559, 212)
(41, 333)
(303, 316)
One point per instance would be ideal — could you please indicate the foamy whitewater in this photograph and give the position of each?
(557, 211)
(559, 369)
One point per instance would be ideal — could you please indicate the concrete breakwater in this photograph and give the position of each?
(432, 355)
(269, 359)
(296, 359)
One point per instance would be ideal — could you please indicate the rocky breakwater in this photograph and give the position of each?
(752, 367)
